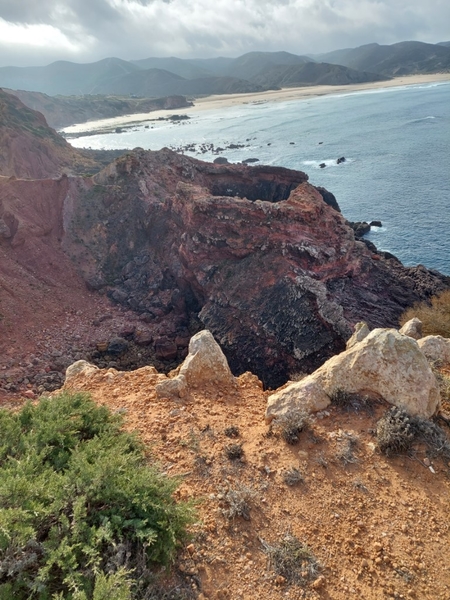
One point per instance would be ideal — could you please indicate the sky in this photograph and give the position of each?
(38, 32)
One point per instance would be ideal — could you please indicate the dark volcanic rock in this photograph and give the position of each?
(254, 254)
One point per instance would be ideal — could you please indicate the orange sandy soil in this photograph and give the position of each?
(379, 526)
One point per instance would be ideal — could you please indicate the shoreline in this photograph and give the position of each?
(224, 101)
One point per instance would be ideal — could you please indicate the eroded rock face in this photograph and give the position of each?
(385, 364)
(254, 254)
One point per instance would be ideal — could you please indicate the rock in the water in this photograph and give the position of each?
(412, 328)
(340, 160)
(436, 348)
(206, 363)
(361, 331)
(384, 364)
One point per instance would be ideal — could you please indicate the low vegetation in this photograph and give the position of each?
(82, 514)
(292, 560)
(397, 431)
(290, 425)
(435, 317)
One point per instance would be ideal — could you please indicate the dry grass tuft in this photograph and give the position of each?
(397, 431)
(290, 425)
(292, 559)
(435, 317)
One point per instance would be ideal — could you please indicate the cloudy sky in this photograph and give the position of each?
(37, 32)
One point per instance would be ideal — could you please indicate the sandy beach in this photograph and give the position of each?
(224, 101)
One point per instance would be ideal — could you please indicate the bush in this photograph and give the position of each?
(435, 317)
(292, 559)
(290, 425)
(397, 431)
(82, 515)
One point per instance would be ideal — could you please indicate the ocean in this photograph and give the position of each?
(396, 144)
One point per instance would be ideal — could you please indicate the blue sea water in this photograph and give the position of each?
(396, 142)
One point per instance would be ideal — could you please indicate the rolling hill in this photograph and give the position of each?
(404, 58)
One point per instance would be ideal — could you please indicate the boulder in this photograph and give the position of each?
(174, 389)
(117, 345)
(412, 328)
(436, 348)
(165, 349)
(80, 367)
(206, 363)
(385, 364)
(307, 394)
(361, 331)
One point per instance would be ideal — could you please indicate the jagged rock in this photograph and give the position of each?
(80, 367)
(412, 328)
(174, 389)
(436, 348)
(206, 363)
(361, 331)
(384, 364)
(253, 254)
(117, 345)
(165, 349)
(143, 337)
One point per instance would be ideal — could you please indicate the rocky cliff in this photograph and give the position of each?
(168, 245)
(254, 254)
(29, 148)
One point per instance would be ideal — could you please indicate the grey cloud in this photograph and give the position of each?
(141, 28)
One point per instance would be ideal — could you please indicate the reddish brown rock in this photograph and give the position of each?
(254, 254)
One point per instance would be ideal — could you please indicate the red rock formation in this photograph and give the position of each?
(252, 253)
(29, 148)
(255, 254)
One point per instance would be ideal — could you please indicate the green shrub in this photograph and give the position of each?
(435, 317)
(82, 514)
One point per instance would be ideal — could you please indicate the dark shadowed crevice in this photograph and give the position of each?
(270, 191)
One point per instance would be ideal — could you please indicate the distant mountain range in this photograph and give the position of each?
(67, 92)
(404, 58)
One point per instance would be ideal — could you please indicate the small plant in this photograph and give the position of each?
(238, 501)
(234, 451)
(290, 425)
(292, 476)
(232, 431)
(292, 559)
(347, 447)
(359, 485)
(351, 402)
(395, 432)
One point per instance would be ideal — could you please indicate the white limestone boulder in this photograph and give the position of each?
(205, 363)
(436, 348)
(412, 328)
(175, 388)
(385, 364)
(79, 368)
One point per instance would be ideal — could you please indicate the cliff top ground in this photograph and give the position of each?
(377, 526)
